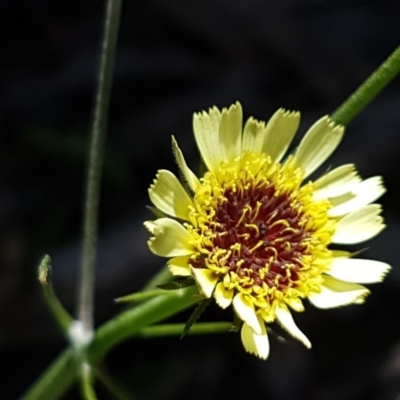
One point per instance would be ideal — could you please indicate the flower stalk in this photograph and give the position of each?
(96, 156)
(368, 90)
(60, 375)
(87, 389)
(202, 328)
(128, 323)
(56, 380)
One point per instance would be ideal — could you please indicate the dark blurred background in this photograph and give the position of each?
(174, 58)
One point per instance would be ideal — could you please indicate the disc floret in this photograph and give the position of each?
(260, 234)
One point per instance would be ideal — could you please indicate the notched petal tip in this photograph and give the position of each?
(171, 239)
(358, 270)
(155, 179)
(318, 144)
(279, 133)
(336, 182)
(169, 196)
(206, 113)
(288, 113)
(236, 106)
(230, 132)
(338, 293)
(150, 226)
(360, 225)
(331, 124)
(358, 196)
(253, 343)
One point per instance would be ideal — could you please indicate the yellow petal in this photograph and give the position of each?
(336, 293)
(279, 133)
(179, 266)
(188, 175)
(253, 135)
(358, 270)
(206, 132)
(169, 196)
(170, 239)
(255, 344)
(230, 132)
(359, 225)
(318, 144)
(342, 253)
(245, 310)
(206, 279)
(286, 321)
(295, 304)
(363, 193)
(223, 296)
(336, 182)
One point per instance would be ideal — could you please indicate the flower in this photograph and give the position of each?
(254, 232)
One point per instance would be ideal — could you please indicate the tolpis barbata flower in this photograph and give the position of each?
(254, 232)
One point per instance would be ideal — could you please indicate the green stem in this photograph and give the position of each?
(201, 328)
(96, 156)
(56, 380)
(125, 325)
(359, 99)
(61, 374)
(140, 296)
(86, 377)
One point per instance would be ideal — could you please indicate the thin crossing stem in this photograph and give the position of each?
(86, 286)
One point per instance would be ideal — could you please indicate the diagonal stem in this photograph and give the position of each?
(368, 90)
(60, 375)
(201, 328)
(96, 154)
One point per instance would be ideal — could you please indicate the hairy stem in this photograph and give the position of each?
(96, 155)
(56, 380)
(60, 375)
(367, 91)
(126, 324)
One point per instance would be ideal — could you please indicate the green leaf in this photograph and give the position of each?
(195, 316)
(177, 284)
(140, 296)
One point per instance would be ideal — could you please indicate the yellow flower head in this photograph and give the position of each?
(255, 233)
